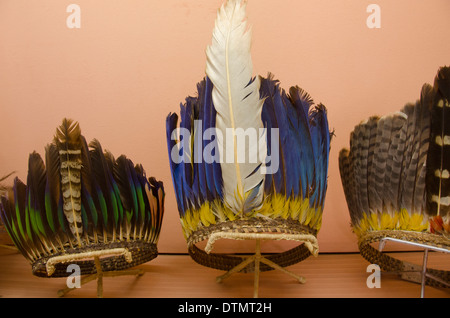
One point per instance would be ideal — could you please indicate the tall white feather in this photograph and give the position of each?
(229, 66)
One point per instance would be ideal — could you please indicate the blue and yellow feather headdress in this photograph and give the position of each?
(247, 156)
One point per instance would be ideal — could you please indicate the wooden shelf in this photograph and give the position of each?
(178, 276)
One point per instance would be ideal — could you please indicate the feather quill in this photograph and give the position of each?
(236, 99)
(68, 141)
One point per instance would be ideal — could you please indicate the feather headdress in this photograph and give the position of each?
(82, 199)
(395, 174)
(247, 156)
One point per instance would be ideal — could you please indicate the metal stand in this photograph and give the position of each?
(423, 271)
(99, 272)
(309, 240)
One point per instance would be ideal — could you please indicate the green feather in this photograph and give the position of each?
(129, 216)
(141, 202)
(19, 222)
(61, 216)
(103, 207)
(84, 218)
(14, 230)
(119, 201)
(28, 223)
(114, 207)
(32, 214)
(48, 211)
(39, 223)
(135, 201)
(93, 210)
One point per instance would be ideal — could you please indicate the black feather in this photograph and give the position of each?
(438, 163)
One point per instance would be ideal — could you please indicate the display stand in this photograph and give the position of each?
(423, 271)
(64, 259)
(309, 240)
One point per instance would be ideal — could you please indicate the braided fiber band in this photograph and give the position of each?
(255, 225)
(391, 264)
(141, 252)
(227, 262)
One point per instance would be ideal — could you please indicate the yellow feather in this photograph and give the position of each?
(417, 223)
(266, 209)
(203, 217)
(187, 221)
(316, 220)
(206, 216)
(386, 222)
(373, 221)
(309, 216)
(228, 213)
(278, 202)
(218, 211)
(294, 207)
(304, 207)
(404, 220)
(186, 232)
(196, 220)
(286, 209)
(318, 223)
(364, 224)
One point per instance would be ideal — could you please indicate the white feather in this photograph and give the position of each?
(229, 66)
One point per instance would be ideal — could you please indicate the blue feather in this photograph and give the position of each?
(195, 182)
(199, 185)
(302, 146)
(186, 112)
(289, 145)
(181, 172)
(301, 102)
(272, 112)
(201, 112)
(187, 123)
(212, 170)
(176, 168)
(321, 141)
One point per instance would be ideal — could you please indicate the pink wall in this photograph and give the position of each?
(132, 62)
